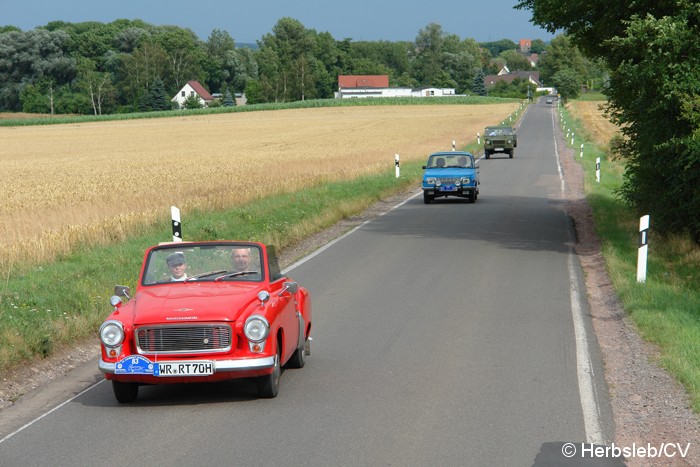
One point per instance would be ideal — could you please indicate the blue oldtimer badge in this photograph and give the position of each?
(136, 365)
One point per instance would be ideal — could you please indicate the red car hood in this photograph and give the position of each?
(204, 301)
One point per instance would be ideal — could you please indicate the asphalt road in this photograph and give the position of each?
(444, 334)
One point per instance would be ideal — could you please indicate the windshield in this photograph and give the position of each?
(209, 262)
(449, 160)
(499, 131)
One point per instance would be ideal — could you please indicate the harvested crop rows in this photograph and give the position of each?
(96, 182)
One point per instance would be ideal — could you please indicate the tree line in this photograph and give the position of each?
(130, 65)
(653, 53)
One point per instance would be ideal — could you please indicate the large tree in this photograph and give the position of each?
(33, 57)
(653, 52)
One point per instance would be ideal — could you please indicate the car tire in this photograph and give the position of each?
(125, 393)
(511, 153)
(269, 385)
(298, 359)
(487, 155)
(427, 198)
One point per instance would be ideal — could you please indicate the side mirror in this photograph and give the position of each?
(291, 287)
(424, 167)
(122, 291)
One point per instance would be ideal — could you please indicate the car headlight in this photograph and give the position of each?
(112, 333)
(438, 183)
(256, 328)
(488, 141)
(510, 141)
(457, 183)
(465, 180)
(430, 181)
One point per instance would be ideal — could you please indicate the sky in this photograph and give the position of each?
(249, 21)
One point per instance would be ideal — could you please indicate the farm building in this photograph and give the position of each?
(363, 86)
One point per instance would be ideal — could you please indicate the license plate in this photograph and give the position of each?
(200, 368)
(448, 188)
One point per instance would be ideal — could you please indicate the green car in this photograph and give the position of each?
(500, 139)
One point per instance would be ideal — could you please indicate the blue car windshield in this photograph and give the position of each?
(449, 161)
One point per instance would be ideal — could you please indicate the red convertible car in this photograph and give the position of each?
(206, 311)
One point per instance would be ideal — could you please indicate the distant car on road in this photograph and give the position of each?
(549, 100)
(454, 173)
(500, 139)
(205, 312)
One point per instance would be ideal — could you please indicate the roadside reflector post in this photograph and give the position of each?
(581, 155)
(643, 247)
(396, 163)
(478, 139)
(177, 225)
(453, 145)
(572, 139)
(597, 169)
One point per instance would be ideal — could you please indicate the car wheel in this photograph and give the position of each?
(427, 198)
(511, 153)
(487, 155)
(298, 360)
(269, 385)
(125, 393)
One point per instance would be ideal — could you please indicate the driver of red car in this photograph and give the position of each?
(177, 266)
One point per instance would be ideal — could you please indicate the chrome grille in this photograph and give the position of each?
(448, 180)
(183, 339)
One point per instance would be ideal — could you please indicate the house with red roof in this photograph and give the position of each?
(192, 88)
(353, 86)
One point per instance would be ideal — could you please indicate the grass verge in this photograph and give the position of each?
(666, 308)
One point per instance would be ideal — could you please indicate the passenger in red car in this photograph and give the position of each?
(177, 266)
(241, 259)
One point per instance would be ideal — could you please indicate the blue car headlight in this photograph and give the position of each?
(430, 181)
(465, 180)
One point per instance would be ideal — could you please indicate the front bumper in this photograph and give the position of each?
(461, 191)
(220, 366)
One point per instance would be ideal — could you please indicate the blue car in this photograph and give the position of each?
(451, 174)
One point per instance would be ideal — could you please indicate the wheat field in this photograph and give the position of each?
(592, 116)
(68, 184)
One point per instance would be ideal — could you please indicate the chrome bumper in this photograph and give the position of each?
(219, 365)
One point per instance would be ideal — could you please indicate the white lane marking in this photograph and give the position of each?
(334, 241)
(45, 414)
(586, 384)
(584, 367)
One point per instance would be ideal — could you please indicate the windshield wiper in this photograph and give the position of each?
(204, 274)
(235, 274)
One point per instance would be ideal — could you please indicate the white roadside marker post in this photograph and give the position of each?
(177, 226)
(453, 145)
(396, 163)
(572, 139)
(478, 139)
(643, 249)
(581, 154)
(597, 169)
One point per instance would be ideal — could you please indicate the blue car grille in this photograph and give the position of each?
(183, 339)
(448, 180)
